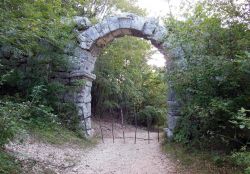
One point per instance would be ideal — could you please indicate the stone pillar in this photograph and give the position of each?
(173, 112)
(176, 60)
(83, 103)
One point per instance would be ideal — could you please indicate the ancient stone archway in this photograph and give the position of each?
(93, 39)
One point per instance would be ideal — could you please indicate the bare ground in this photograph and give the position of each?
(105, 158)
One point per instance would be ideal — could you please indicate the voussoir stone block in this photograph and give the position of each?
(102, 28)
(124, 22)
(159, 34)
(113, 23)
(149, 27)
(91, 33)
(138, 23)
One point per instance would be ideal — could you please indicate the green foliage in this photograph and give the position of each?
(14, 117)
(7, 124)
(125, 81)
(191, 160)
(59, 135)
(24, 23)
(102, 8)
(36, 32)
(151, 115)
(213, 87)
(8, 164)
(242, 159)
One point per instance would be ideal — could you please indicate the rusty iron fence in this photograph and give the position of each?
(123, 127)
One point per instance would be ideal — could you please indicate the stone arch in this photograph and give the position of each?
(93, 39)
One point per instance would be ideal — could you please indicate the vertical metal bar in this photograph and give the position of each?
(123, 133)
(102, 134)
(112, 114)
(135, 127)
(101, 128)
(85, 125)
(148, 130)
(158, 133)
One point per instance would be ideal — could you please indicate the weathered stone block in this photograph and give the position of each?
(88, 83)
(86, 45)
(102, 28)
(172, 121)
(88, 123)
(91, 33)
(137, 23)
(170, 134)
(124, 22)
(87, 94)
(82, 108)
(174, 108)
(88, 105)
(150, 27)
(113, 23)
(81, 53)
(171, 95)
(80, 112)
(159, 34)
(88, 67)
(82, 22)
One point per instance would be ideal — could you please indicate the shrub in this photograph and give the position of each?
(242, 159)
(150, 116)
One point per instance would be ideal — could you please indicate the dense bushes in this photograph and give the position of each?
(215, 95)
(33, 33)
(214, 86)
(16, 115)
(8, 164)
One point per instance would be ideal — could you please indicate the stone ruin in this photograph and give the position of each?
(91, 40)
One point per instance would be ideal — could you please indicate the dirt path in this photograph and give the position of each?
(105, 158)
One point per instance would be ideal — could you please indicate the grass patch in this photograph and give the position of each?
(199, 162)
(8, 164)
(59, 135)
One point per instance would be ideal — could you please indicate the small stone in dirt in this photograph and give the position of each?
(86, 165)
(48, 171)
